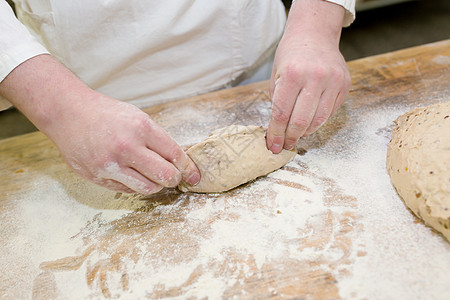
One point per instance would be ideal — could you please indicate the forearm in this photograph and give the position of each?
(43, 89)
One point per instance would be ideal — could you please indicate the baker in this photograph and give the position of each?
(80, 70)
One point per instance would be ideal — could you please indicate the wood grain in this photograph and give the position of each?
(416, 76)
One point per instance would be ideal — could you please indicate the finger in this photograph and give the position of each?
(323, 111)
(302, 115)
(87, 172)
(339, 100)
(283, 101)
(273, 81)
(115, 186)
(114, 177)
(167, 148)
(155, 168)
(342, 93)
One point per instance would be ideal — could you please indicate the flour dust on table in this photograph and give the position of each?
(186, 244)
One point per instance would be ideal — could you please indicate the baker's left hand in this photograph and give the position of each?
(310, 80)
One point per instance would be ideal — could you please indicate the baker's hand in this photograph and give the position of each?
(111, 143)
(310, 78)
(116, 145)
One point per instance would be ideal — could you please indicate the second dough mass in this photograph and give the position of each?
(418, 161)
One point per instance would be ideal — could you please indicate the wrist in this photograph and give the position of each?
(315, 22)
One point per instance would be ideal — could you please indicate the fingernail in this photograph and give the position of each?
(194, 179)
(276, 148)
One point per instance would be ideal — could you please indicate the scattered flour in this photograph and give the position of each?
(331, 211)
(112, 171)
(442, 60)
(39, 228)
(404, 259)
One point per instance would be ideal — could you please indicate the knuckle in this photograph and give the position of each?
(141, 123)
(299, 124)
(318, 121)
(293, 72)
(308, 133)
(169, 177)
(121, 145)
(291, 140)
(338, 76)
(342, 76)
(280, 116)
(320, 72)
(175, 154)
(97, 162)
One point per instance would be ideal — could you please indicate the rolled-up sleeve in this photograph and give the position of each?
(16, 45)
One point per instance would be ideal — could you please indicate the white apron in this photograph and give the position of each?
(148, 52)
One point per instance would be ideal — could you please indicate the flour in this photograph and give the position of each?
(258, 108)
(441, 59)
(331, 214)
(242, 231)
(112, 171)
(255, 229)
(397, 246)
(43, 223)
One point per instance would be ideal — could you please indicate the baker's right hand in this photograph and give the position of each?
(111, 143)
(116, 145)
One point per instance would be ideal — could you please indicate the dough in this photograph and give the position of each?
(418, 161)
(232, 156)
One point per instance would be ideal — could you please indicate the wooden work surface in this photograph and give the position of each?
(313, 230)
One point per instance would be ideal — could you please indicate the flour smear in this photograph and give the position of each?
(330, 213)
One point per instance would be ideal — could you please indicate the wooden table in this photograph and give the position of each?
(328, 225)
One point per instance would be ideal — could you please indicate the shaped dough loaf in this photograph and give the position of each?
(418, 161)
(232, 156)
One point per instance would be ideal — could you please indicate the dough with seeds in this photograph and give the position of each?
(232, 156)
(418, 161)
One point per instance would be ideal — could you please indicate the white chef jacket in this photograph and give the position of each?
(143, 51)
